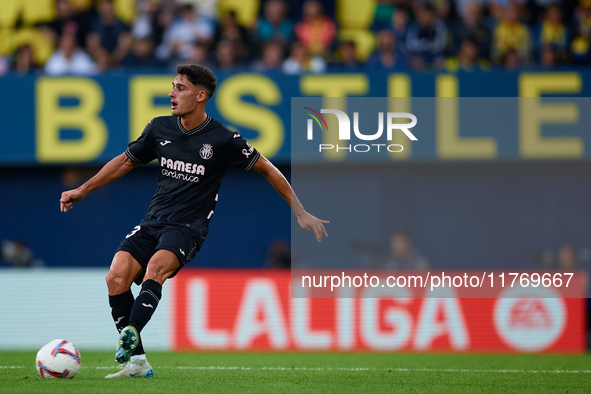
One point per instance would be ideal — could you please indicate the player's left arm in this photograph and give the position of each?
(277, 180)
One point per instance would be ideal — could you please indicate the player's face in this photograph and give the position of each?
(184, 96)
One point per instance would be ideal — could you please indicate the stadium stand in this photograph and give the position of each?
(506, 34)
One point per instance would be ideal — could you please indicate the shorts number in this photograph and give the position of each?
(135, 230)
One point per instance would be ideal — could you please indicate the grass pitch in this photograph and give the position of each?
(316, 373)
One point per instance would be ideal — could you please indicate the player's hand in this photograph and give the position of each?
(69, 198)
(312, 223)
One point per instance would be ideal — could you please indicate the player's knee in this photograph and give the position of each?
(111, 279)
(156, 271)
(115, 283)
(160, 270)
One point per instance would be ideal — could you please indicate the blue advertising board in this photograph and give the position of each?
(79, 120)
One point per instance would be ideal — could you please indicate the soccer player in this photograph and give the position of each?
(194, 151)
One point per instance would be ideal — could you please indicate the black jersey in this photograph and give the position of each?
(192, 164)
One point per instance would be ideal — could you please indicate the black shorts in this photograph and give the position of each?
(144, 240)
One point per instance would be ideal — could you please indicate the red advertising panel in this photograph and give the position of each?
(253, 310)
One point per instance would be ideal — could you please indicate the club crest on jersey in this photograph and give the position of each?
(206, 152)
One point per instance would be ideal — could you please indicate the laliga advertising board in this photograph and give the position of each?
(253, 310)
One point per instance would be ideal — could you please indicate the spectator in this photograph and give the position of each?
(69, 59)
(109, 34)
(511, 35)
(278, 256)
(316, 31)
(300, 61)
(511, 60)
(548, 57)
(102, 60)
(535, 9)
(199, 55)
(225, 55)
(581, 33)
(142, 26)
(567, 258)
(183, 32)
(580, 50)
(230, 30)
(398, 24)
(581, 22)
(274, 24)
(386, 57)
(462, 5)
(400, 28)
(444, 10)
(467, 59)
(161, 22)
(24, 61)
(207, 8)
(17, 254)
(142, 55)
(4, 66)
(426, 39)
(272, 56)
(472, 27)
(498, 8)
(403, 255)
(383, 14)
(423, 42)
(346, 57)
(64, 21)
(551, 32)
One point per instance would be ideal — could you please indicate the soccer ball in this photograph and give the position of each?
(58, 359)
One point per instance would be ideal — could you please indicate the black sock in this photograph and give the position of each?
(145, 304)
(121, 305)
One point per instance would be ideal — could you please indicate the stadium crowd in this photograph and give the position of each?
(88, 37)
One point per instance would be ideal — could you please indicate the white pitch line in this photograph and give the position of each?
(359, 369)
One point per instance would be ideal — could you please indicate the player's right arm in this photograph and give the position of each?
(111, 171)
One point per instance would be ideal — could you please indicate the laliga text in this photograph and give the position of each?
(441, 280)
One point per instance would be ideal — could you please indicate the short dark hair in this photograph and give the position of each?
(199, 75)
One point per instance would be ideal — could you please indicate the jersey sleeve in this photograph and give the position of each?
(241, 154)
(142, 150)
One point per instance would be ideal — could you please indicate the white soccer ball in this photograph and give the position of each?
(58, 359)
